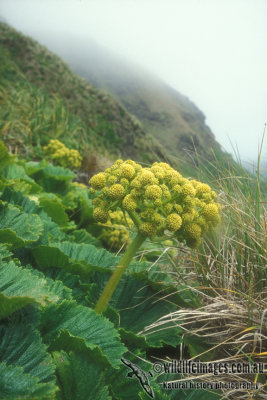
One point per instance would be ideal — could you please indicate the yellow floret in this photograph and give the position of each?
(118, 162)
(174, 222)
(128, 203)
(202, 188)
(147, 229)
(164, 165)
(187, 217)
(193, 231)
(136, 183)
(127, 171)
(79, 185)
(124, 182)
(210, 212)
(116, 191)
(100, 215)
(189, 201)
(177, 189)
(98, 181)
(112, 179)
(136, 193)
(188, 190)
(168, 208)
(157, 219)
(158, 202)
(167, 195)
(146, 177)
(178, 208)
(153, 192)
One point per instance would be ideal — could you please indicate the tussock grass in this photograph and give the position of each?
(228, 274)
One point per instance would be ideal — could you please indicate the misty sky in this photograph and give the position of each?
(213, 51)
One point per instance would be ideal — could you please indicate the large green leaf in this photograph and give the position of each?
(58, 173)
(74, 283)
(80, 376)
(50, 229)
(82, 236)
(140, 304)
(76, 258)
(54, 208)
(51, 178)
(15, 171)
(15, 384)
(16, 176)
(27, 370)
(54, 285)
(82, 323)
(19, 287)
(17, 227)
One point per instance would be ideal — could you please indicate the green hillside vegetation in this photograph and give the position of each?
(42, 99)
(166, 114)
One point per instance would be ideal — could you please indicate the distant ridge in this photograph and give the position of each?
(167, 115)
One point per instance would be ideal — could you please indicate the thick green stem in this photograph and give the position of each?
(117, 274)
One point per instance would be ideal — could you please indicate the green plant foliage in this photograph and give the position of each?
(50, 229)
(80, 376)
(18, 228)
(52, 342)
(77, 258)
(51, 178)
(138, 304)
(55, 285)
(54, 208)
(82, 236)
(26, 367)
(15, 384)
(83, 323)
(19, 287)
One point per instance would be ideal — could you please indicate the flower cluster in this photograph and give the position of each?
(116, 230)
(63, 156)
(156, 199)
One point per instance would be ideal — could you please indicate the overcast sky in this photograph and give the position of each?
(213, 51)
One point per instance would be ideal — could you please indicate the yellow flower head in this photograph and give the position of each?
(98, 181)
(157, 199)
(153, 192)
(148, 229)
(210, 212)
(174, 222)
(116, 191)
(146, 177)
(127, 171)
(100, 214)
(188, 190)
(129, 203)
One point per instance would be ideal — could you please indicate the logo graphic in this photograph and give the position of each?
(141, 375)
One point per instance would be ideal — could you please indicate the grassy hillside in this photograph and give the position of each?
(42, 99)
(166, 114)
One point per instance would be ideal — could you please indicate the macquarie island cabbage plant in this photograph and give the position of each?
(157, 200)
(61, 155)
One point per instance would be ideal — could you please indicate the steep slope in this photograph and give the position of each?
(41, 98)
(169, 116)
